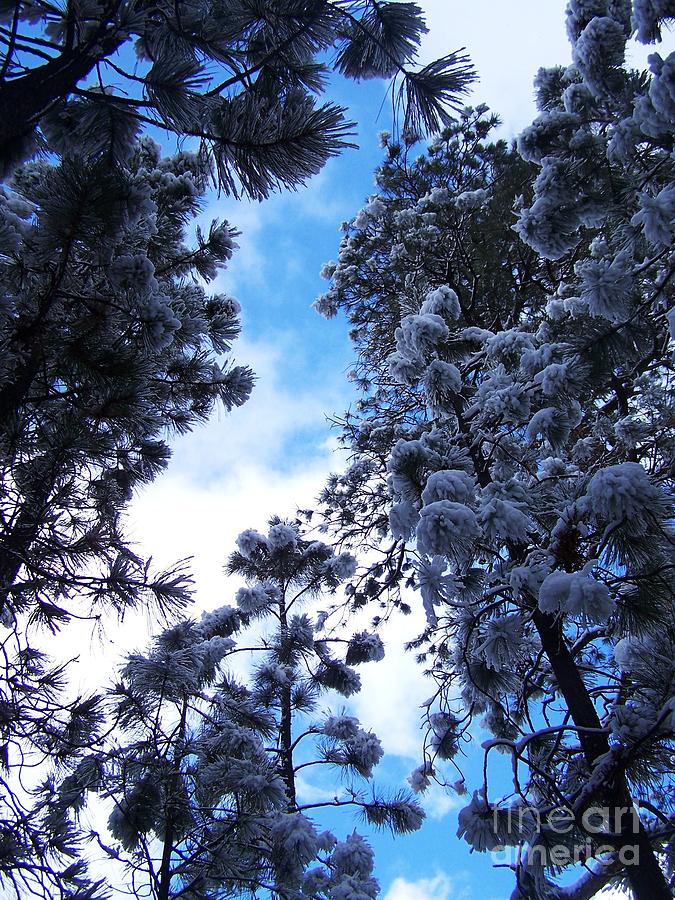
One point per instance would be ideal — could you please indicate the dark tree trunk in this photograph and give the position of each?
(166, 872)
(286, 725)
(646, 878)
(288, 771)
(16, 543)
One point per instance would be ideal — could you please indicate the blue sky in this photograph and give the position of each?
(273, 455)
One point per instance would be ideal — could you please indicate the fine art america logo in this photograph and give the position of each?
(554, 839)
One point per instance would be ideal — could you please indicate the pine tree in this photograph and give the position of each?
(201, 772)
(512, 452)
(240, 77)
(110, 345)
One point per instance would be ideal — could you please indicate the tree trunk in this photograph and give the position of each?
(286, 723)
(646, 879)
(15, 544)
(13, 395)
(286, 734)
(165, 871)
(163, 890)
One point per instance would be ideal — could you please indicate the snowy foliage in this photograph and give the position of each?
(111, 344)
(349, 875)
(294, 845)
(441, 302)
(419, 779)
(250, 541)
(503, 517)
(501, 644)
(341, 727)
(125, 350)
(656, 215)
(449, 484)
(447, 529)
(577, 596)
(649, 16)
(252, 599)
(444, 734)
(342, 566)
(607, 286)
(441, 381)
(623, 495)
(521, 441)
(202, 768)
(476, 825)
(365, 647)
(434, 584)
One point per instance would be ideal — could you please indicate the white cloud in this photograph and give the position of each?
(507, 43)
(270, 232)
(309, 792)
(440, 887)
(260, 435)
(238, 470)
(230, 474)
(250, 263)
(394, 688)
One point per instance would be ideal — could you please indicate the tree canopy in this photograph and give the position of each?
(512, 455)
(107, 351)
(241, 77)
(111, 342)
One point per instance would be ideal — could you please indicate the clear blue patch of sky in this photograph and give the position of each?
(434, 848)
(295, 233)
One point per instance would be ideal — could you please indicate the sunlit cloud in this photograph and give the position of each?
(238, 470)
(438, 802)
(508, 43)
(279, 232)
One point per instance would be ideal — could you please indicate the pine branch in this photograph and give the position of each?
(261, 144)
(426, 96)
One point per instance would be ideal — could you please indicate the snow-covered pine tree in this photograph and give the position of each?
(201, 772)
(240, 77)
(110, 344)
(513, 449)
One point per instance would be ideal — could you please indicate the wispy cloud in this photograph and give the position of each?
(507, 66)
(263, 434)
(237, 471)
(310, 792)
(280, 234)
(438, 802)
(270, 457)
